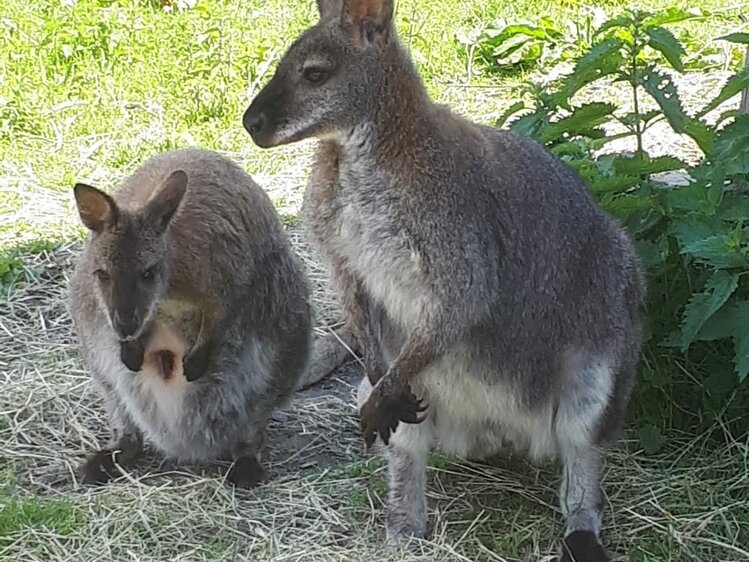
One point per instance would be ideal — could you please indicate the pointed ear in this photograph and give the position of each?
(165, 201)
(98, 210)
(368, 21)
(329, 8)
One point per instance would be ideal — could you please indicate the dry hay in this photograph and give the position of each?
(325, 499)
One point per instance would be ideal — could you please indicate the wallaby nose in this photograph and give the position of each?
(126, 323)
(253, 121)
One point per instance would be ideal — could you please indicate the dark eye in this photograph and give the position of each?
(101, 275)
(148, 274)
(314, 75)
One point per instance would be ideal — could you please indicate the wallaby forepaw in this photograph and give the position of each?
(383, 411)
(132, 354)
(99, 468)
(246, 472)
(582, 546)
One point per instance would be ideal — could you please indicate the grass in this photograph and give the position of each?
(91, 88)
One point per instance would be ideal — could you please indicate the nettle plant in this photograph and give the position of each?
(693, 237)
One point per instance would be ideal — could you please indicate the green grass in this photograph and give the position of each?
(92, 88)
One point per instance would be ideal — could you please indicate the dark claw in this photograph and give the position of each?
(382, 413)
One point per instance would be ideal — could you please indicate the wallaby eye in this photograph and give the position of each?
(314, 75)
(147, 275)
(101, 275)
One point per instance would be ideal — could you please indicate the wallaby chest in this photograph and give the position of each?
(356, 220)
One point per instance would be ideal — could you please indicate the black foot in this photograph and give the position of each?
(582, 546)
(246, 472)
(99, 468)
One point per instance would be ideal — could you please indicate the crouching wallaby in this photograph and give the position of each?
(192, 312)
(493, 299)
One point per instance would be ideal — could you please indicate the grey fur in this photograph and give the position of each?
(230, 279)
(480, 275)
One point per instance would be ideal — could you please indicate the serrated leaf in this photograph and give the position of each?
(641, 166)
(704, 304)
(509, 112)
(719, 326)
(582, 119)
(619, 21)
(661, 39)
(741, 339)
(674, 15)
(613, 184)
(735, 207)
(700, 133)
(690, 230)
(717, 251)
(602, 59)
(732, 87)
(731, 148)
(528, 125)
(663, 91)
(738, 37)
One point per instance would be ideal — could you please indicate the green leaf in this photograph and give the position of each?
(661, 39)
(734, 86)
(663, 91)
(602, 59)
(703, 305)
(738, 37)
(674, 15)
(717, 251)
(719, 326)
(509, 112)
(582, 119)
(690, 230)
(700, 133)
(620, 21)
(641, 166)
(651, 438)
(731, 149)
(741, 339)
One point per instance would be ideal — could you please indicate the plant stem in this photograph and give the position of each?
(635, 86)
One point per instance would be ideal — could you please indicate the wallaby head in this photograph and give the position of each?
(326, 82)
(130, 252)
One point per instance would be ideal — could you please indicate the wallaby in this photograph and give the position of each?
(192, 312)
(483, 281)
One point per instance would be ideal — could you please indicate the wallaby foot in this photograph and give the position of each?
(582, 546)
(389, 403)
(582, 504)
(101, 467)
(246, 472)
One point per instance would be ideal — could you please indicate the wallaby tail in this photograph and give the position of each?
(328, 353)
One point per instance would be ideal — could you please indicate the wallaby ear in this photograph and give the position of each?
(329, 8)
(368, 21)
(165, 201)
(97, 209)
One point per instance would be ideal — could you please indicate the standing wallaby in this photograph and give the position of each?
(483, 281)
(192, 313)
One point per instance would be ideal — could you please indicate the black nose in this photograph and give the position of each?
(253, 121)
(126, 323)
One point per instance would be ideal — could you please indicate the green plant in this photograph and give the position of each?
(693, 238)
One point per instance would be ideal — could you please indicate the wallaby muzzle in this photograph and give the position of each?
(263, 116)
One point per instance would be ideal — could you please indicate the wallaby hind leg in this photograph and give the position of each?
(582, 504)
(125, 446)
(406, 455)
(247, 471)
